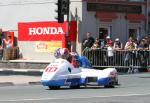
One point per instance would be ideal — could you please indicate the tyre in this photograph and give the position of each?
(110, 85)
(75, 87)
(54, 87)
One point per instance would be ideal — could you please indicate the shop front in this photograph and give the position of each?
(118, 19)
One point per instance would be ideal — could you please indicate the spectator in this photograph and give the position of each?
(142, 55)
(146, 44)
(110, 54)
(109, 51)
(95, 44)
(109, 42)
(8, 42)
(147, 38)
(130, 46)
(140, 51)
(141, 45)
(1, 38)
(117, 44)
(94, 51)
(88, 41)
(102, 43)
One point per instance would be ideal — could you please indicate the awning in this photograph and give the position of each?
(135, 17)
(106, 16)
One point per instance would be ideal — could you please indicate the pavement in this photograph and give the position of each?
(19, 80)
(14, 71)
(20, 77)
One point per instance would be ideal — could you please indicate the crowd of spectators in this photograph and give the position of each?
(134, 48)
(132, 44)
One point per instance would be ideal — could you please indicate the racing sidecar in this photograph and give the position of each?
(62, 73)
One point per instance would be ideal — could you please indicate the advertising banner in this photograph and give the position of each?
(48, 35)
(41, 31)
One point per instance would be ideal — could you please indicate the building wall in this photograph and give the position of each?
(121, 25)
(14, 11)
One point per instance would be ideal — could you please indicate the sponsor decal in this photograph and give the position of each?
(51, 69)
(46, 30)
(47, 46)
(41, 46)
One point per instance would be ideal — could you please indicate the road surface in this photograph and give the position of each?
(134, 88)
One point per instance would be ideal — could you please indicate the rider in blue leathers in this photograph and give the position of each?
(81, 60)
(84, 62)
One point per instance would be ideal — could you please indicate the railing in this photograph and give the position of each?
(119, 59)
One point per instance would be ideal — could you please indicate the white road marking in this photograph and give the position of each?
(41, 99)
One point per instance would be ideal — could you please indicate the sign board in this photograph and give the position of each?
(41, 31)
(114, 8)
(48, 35)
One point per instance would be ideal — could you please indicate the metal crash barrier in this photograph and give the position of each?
(120, 59)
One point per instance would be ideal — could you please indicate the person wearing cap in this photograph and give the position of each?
(117, 44)
(109, 42)
(109, 50)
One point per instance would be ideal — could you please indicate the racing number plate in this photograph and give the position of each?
(50, 69)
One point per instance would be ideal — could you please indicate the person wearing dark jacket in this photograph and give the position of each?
(88, 41)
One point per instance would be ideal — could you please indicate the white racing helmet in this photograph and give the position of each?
(62, 53)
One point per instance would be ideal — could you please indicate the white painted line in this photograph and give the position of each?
(41, 99)
(23, 70)
(41, 70)
(20, 70)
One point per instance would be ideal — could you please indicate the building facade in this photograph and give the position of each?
(116, 18)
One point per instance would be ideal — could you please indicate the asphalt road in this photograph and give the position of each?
(134, 88)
